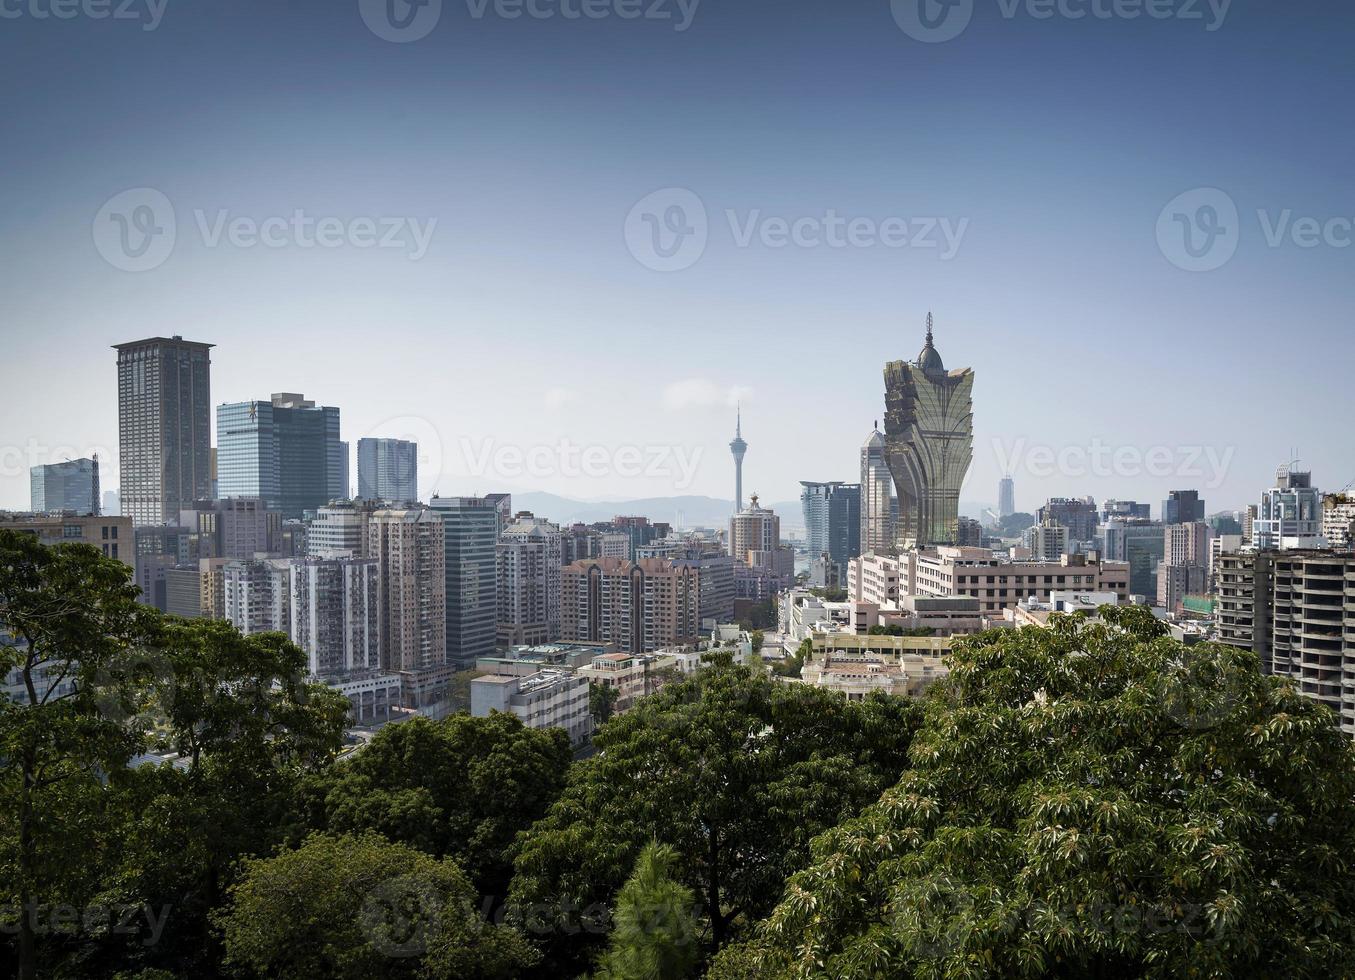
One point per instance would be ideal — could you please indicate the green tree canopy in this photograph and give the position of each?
(732, 769)
(350, 908)
(1093, 799)
(653, 935)
(461, 787)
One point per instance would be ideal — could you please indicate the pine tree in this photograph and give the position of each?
(652, 937)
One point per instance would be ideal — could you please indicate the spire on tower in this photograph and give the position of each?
(929, 328)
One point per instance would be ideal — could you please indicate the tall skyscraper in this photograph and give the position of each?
(738, 447)
(929, 443)
(832, 514)
(1182, 507)
(1185, 563)
(345, 487)
(388, 469)
(69, 485)
(471, 591)
(164, 427)
(879, 506)
(286, 450)
(1006, 496)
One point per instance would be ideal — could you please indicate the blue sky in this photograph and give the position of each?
(1050, 147)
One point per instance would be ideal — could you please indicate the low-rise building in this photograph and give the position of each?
(858, 666)
(548, 698)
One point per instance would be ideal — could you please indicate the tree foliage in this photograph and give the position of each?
(653, 932)
(732, 769)
(462, 787)
(349, 908)
(1094, 799)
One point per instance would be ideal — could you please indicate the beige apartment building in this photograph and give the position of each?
(637, 606)
(857, 666)
(998, 582)
(111, 535)
(408, 545)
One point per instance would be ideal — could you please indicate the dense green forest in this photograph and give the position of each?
(1092, 799)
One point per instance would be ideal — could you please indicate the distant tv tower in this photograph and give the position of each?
(738, 447)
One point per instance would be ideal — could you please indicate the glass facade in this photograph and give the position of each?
(288, 453)
(471, 533)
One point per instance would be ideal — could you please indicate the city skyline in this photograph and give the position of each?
(470, 464)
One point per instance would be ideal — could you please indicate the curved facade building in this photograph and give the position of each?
(929, 444)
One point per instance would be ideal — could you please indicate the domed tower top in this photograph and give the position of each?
(930, 358)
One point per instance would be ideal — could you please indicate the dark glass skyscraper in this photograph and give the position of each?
(471, 527)
(164, 427)
(286, 451)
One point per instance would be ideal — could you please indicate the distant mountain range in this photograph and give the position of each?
(689, 511)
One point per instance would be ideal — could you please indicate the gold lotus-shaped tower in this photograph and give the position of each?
(929, 443)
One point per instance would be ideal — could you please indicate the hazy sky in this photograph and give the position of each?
(510, 212)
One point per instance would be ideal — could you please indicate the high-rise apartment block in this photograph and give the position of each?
(471, 568)
(637, 606)
(258, 595)
(409, 548)
(164, 427)
(335, 615)
(755, 528)
(72, 485)
(530, 556)
(1184, 569)
(388, 469)
(286, 450)
(1292, 609)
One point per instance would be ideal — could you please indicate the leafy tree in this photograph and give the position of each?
(71, 629)
(461, 787)
(602, 702)
(653, 934)
(732, 769)
(1013, 525)
(1093, 799)
(758, 638)
(359, 907)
